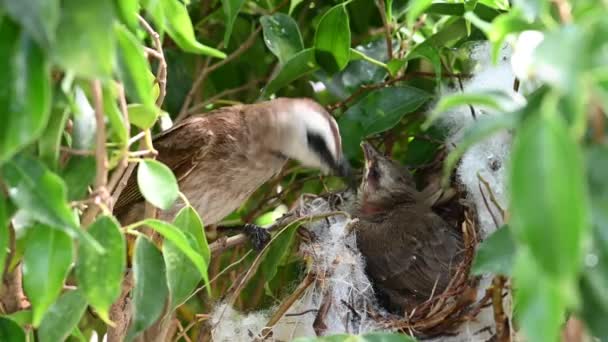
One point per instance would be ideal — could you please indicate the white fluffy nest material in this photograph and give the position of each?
(339, 267)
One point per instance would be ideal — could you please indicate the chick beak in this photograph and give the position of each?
(369, 152)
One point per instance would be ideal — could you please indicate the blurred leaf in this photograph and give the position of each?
(90, 53)
(549, 203)
(378, 111)
(128, 10)
(50, 140)
(415, 9)
(281, 36)
(78, 174)
(332, 39)
(539, 302)
(231, 10)
(483, 128)
(4, 230)
(62, 317)
(504, 25)
(175, 19)
(174, 235)
(133, 67)
(21, 317)
(278, 250)
(458, 10)
(117, 127)
(100, 275)
(495, 254)
(38, 18)
(182, 275)
(299, 65)
(25, 97)
(85, 124)
(42, 194)
(142, 116)
(11, 331)
(46, 263)
(293, 4)
(157, 183)
(531, 9)
(150, 291)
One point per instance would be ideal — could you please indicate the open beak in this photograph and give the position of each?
(369, 151)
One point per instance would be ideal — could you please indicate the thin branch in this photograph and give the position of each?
(124, 161)
(222, 94)
(101, 175)
(387, 29)
(290, 300)
(206, 71)
(76, 152)
(161, 73)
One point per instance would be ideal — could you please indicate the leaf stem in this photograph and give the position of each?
(368, 58)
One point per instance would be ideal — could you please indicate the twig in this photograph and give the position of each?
(387, 29)
(289, 301)
(503, 331)
(101, 175)
(206, 71)
(76, 151)
(222, 94)
(492, 197)
(161, 73)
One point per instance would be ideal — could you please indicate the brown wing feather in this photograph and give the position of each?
(180, 148)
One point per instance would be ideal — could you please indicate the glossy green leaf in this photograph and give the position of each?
(100, 275)
(176, 21)
(377, 112)
(157, 183)
(188, 220)
(128, 10)
(142, 116)
(47, 257)
(4, 231)
(278, 250)
(150, 291)
(50, 140)
(549, 206)
(495, 254)
(42, 193)
(38, 18)
(78, 174)
(11, 331)
(61, 319)
(25, 97)
(174, 235)
(133, 67)
(231, 11)
(301, 64)
(281, 36)
(90, 53)
(332, 39)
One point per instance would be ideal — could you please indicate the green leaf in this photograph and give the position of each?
(174, 235)
(61, 319)
(495, 254)
(301, 64)
(50, 140)
(117, 127)
(415, 9)
(21, 317)
(377, 112)
(100, 275)
(293, 4)
(150, 291)
(175, 19)
(38, 18)
(90, 53)
(133, 67)
(188, 220)
(78, 175)
(85, 124)
(281, 36)
(47, 257)
(278, 250)
(42, 194)
(157, 183)
(332, 39)
(231, 11)
(549, 205)
(531, 9)
(11, 331)
(128, 10)
(25, 97)
(142, 116)
(504, 25)
(4, 230)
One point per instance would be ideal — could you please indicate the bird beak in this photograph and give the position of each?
(368, 151)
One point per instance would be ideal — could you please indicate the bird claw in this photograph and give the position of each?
(258, 236)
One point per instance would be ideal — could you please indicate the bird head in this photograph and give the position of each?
(384, 180)
(311, 136)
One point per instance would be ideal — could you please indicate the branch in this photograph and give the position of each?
(387, 29)
(206, 71)
(222, 94)
(161, 73)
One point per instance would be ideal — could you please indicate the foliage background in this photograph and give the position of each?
(86, 84)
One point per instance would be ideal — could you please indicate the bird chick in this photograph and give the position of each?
(410, 251)
(220, 158)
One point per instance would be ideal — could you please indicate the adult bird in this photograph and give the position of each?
(410, 252)
(220, 158)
